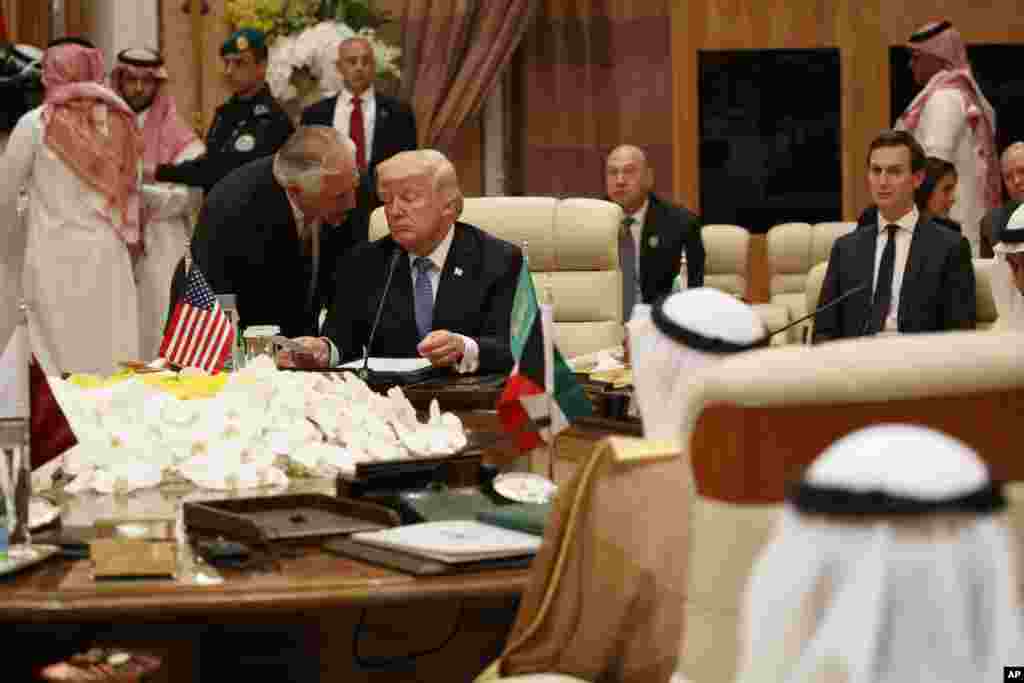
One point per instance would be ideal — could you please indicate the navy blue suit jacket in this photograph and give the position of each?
(474, 298)
(938, 283)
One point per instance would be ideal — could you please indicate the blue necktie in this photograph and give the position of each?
(424, 295)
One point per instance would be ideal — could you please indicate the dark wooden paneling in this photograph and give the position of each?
(863, 30)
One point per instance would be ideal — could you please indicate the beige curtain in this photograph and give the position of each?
(455, 53)
(594, 74)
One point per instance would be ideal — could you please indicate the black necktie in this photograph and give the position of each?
(883, 286)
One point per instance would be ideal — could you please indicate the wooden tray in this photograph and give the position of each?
(390, 476)
(285, 518)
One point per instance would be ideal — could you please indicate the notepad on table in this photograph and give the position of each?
(453, 541)
(390, 364)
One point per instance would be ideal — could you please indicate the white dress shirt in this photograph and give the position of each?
(637, 229)
(471, 355)
(906, 223)
(343, 113)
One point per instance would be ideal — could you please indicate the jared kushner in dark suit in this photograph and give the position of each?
(913, 274)
(452, 285)
(382, 127)
(659, 231)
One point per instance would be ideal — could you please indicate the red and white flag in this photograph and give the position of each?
(200, 334)
(25, 394)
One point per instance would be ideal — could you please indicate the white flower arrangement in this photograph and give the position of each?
(306, 62)
(261, 427)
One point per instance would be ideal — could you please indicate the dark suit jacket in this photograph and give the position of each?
(938, 283)
(394, 131)
(476, 303)
(245, 243)
(667, 230)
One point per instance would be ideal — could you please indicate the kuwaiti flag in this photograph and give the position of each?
(541, 396)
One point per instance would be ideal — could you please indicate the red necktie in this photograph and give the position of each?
(356, 131)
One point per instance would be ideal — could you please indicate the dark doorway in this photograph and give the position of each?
(997, 70)
(769, 137)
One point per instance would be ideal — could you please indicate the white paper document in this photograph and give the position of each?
(391, 364)
(453, 541)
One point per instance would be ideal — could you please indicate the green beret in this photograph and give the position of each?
(241, 40)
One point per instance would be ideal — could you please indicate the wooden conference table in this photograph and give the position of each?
(208, 620)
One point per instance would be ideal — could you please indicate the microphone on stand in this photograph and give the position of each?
(845, 295)
(364, 372)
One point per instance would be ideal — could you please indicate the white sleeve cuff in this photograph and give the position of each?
(470, 356)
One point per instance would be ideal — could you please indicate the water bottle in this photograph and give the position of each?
(236, 361)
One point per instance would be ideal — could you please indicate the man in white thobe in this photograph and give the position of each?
(953, 121)
(78, 157)
(139, 77)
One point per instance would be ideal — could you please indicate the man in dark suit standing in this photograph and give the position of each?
(451, 284)
(379, 125)
(267, 231)
(664, 236)
(912, 275)
(250, 125)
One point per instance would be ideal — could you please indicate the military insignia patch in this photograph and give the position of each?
(245, 143)
(260, 110)
(242, 43)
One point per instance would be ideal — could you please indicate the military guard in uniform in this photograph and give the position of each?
(249, 126)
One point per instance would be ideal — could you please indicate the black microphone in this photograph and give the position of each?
(845, 295)
(364, 372)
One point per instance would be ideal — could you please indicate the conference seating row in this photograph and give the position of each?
(753, 422)
(572, 247)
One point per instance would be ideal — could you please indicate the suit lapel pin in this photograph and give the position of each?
(458, 271)
(652, 241)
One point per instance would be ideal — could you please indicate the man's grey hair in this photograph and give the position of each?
(311, 153)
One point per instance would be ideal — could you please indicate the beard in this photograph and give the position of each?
(139, 103)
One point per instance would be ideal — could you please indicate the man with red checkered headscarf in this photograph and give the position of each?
(78, 158)
(139, 77)
(953, 121)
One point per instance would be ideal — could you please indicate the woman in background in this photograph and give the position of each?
(937, 193)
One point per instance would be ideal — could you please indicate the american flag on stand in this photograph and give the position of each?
(199, 334)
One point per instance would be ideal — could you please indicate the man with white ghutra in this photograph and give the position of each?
(891, 562)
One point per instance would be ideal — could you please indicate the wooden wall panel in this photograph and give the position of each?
(862, 30)
(190, 83)
(31, 22)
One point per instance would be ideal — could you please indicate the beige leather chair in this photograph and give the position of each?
(815, 279)
(789, 260)
(823, 235)
(727, 249)
(573, 250)
(727, 268)
(984, 303)
(763, 416)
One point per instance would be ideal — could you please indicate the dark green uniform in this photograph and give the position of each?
(243, 130)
